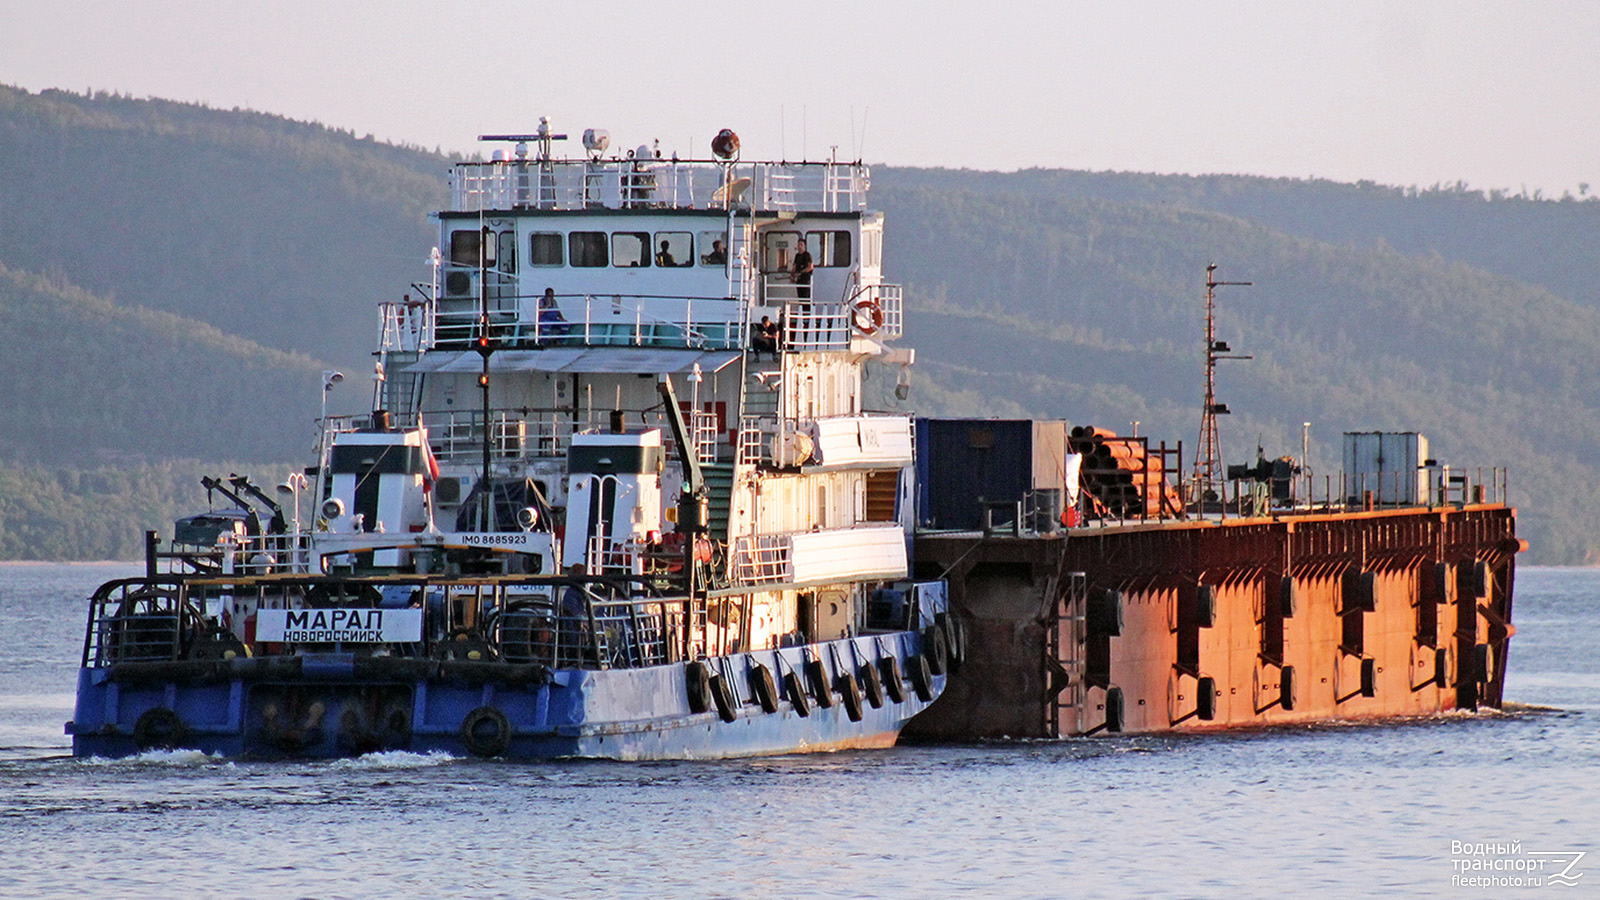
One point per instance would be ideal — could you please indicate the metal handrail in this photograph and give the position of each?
(655, 184)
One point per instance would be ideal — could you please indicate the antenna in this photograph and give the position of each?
(1208, 463)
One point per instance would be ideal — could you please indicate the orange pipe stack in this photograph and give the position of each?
(1119, 474)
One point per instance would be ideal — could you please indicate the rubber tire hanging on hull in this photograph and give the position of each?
(722, 695)
(697, 680)
(158, 729)
(797, 694)
(1205, 699)
(851, 693)
(955, 637)
(872, 685)
(921, 677)
(893, 685)
(764, 688)
(817, 674)
(486, 732)
(1286, 688)
(1115, 711)
(936, 649)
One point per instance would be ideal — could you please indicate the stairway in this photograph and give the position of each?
(719, 498)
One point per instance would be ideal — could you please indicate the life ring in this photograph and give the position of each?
(872, 685)
(764, 688)
(851, 692)
(866, 315)
(722, 694)
(893, 685)
(158, 729)
(797, 694)
(486, 732)
(698, 681)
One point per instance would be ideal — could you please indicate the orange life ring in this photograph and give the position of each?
(866, 315)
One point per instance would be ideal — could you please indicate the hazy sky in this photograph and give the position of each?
(1500, 94)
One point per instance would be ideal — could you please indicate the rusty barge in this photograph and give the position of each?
(1127, 608)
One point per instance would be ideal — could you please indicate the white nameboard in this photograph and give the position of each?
(339, 626)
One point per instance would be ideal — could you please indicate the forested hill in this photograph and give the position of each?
(175, 276)
(282, 232)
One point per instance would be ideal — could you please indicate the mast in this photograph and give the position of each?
(1208, 462)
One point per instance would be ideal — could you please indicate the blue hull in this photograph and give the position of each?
(332, 707)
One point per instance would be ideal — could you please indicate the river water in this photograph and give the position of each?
(1333, 811)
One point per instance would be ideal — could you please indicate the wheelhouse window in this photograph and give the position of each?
(545, 249)
(713, 248)
(464, 247)
(829, 248)
(674, 249)
(630, 249)
(587, 249)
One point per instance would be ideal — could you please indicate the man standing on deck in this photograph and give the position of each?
(800, 273)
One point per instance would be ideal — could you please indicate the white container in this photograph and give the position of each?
(1391, 465)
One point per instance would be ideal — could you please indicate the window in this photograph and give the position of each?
(587, 248)
(545, 249)
(507, 252)
(674, 249)
(464, 248)
(713, 248)
(630, 249)
(829, 248)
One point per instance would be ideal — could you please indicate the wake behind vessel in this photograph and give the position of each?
(619, 496)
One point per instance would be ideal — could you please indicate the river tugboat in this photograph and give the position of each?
(619, 497)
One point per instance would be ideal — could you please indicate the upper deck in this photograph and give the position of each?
(639, 183)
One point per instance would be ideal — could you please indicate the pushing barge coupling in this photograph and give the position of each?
(1160, 623)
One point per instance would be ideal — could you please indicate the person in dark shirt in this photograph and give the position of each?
(800, 273)
(717, 256)
(664, 256)
(766, 338)
(552, 325)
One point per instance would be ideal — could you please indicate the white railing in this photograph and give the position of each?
(405, 326)
(774, 440)
(579, 320)
(858, 551)
(704, 435)
(456, 435)
(657, 183)
(763, 558)
(606, 556)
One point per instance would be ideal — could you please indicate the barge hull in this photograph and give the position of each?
(1181, 626)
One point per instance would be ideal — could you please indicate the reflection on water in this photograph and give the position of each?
(1346, 810)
